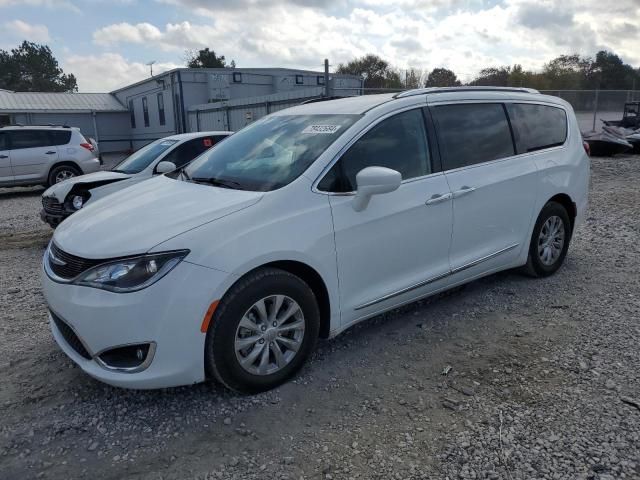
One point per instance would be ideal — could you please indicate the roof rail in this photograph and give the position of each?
(36, 125)
(321, 99)
(423, 91)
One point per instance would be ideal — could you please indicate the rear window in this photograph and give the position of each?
(536, 127)
(29, 139)
(472, 133)
(60, 137)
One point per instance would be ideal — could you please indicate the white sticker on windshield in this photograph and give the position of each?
(314, 129)
(167, 142)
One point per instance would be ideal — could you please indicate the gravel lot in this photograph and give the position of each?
(544, 379)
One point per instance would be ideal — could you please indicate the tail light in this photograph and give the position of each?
(587, 148)
(88, 146)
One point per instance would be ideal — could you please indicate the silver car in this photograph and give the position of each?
(44, 155)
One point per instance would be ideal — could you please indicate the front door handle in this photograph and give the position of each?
(437, 198)
(463, 191)
(50, 152)
(4, 156)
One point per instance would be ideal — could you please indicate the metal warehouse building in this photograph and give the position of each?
(176, 101)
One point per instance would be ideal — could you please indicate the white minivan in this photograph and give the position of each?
(307, 221)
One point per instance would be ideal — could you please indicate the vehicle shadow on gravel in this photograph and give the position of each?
(20, 192)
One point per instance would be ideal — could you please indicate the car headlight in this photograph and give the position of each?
(77, 201)
(131, 274)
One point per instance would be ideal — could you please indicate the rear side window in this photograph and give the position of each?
(472, 133)
(60, 137)
(29, 139)
(189, 150)
(399, 143)
(536, 127)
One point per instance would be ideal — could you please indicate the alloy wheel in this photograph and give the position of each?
(269, 335)
(551, 240)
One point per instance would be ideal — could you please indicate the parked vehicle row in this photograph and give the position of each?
(44, 155)
(158, 157)
(306, 222)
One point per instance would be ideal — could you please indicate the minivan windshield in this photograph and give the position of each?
(138, 161)
(269, 153)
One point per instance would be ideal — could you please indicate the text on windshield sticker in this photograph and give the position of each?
(315, 129)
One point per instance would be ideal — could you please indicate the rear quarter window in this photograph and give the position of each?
(471, 133)
(536, 127)
(60, 137)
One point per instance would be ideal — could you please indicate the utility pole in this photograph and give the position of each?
(151, 66)
(326, 77)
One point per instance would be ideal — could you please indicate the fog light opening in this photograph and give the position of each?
(127, 358)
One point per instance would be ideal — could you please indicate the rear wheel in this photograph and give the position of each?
(61, 173)
(549, 241)
(262, 332)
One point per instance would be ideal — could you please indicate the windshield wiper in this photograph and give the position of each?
(218, 182)
(183, 172)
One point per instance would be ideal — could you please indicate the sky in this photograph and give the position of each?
(107, 43)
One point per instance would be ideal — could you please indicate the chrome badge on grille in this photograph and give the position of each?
(55, 260)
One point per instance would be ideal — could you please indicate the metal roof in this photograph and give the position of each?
(58, 102)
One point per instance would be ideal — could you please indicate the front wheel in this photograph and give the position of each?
(549, 241)
(262, 331)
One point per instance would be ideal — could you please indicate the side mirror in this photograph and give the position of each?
(374, 181)
(165, 167)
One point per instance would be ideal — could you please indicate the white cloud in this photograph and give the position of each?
(51, 4)
(464, 35)
(108, 71)
(27, 31)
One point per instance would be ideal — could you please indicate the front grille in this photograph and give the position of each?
(51, 205)
(73, 266)
(70, 336)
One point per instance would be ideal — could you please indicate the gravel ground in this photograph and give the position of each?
(543, 379)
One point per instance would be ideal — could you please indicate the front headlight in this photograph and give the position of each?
(131, 274)
(77, 201)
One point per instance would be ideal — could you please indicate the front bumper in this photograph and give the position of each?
(167, 314)
(53, 219)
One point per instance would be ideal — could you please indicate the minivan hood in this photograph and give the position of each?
(62, 189)
(136, 219)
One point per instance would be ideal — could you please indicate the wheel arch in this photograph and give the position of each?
(312, 278)
(569, 205)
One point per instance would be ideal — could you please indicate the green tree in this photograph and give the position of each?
(206, 58)
(610, 72)
(442, 77)
(376, 72)
(33, 68)
(492, 77)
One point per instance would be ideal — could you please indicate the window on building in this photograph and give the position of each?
(132, 113)
(320, 79)
(161, 108)
(536, 127)
(237, 77)
(29, 139)
(472, 133)
(145, 111)
(5, 120)
(299, 79)
(399, 143)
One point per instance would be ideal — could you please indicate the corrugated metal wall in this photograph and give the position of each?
(236, 114)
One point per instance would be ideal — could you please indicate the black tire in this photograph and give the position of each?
(57, 170)
(221, 361)
(535, 266)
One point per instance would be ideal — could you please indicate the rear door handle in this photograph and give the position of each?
(4, 156)
(438, 198)
(50, 152)
(463, 191)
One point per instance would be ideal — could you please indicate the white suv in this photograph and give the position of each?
(43, 155)
(308, 221)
